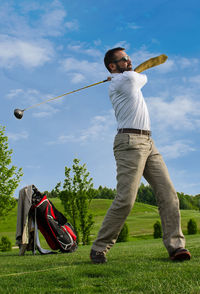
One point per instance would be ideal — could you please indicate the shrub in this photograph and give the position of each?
(5, 244)
(157, 230)
(192, 227)
(123, 236)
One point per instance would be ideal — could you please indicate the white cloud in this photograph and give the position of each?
(13, 93)
(26, 96)
(127, 26)
(42, 114)
(82, 49)
(32, 97)
(72, 64)
(102, 127)
(195, 79)
(14, 51)
(176, 149)
(52, 22)
(46, 110)
(50, 19)
(83, 69)
(93, 52)
(133, 26)
(24, 40)
(142, 55)
(187, 62)
(166, 67)
(97, 42)
(173, 63)
(121, 44)
(18, 136)
(72, 25)
(180, 113)
(77, 78)
(75, 47)
(64, 139)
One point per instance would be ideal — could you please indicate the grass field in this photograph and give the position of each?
(140, 220)
(138, 266)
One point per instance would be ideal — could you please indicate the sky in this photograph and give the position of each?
(51, 47)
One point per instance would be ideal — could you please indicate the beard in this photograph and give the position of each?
(122, 69)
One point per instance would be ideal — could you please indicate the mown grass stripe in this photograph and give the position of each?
(38, 271)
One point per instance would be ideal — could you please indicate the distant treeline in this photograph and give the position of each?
(145, 195)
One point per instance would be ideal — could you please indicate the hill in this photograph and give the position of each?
(140, 220)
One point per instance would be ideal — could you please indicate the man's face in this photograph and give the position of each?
(122, 62)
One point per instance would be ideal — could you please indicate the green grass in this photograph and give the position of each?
(138, 266)
(140, 220)
(132, 267)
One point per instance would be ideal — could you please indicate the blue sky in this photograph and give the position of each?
(48, 48)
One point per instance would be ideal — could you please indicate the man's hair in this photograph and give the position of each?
(110, 56)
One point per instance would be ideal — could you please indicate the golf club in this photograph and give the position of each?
(18, 113)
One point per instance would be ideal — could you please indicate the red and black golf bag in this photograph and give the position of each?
(36, 212)
(53, 225)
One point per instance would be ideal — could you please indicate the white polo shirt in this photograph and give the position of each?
(128, 101)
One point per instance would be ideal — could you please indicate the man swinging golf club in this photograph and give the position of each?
(136, 156)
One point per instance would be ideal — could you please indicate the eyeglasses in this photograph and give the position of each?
(124, 58)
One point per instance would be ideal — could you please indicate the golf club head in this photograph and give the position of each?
(18, 113)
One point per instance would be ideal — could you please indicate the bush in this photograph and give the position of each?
(157, 230)
(123, 236)
(5, 244)
(192, 227)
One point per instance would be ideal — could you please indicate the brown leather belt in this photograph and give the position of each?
(135, 131)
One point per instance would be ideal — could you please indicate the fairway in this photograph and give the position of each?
(138, 266)
(132, 267)
(140, 220)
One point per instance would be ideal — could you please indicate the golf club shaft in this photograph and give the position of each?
(142, 67)
(35, 105)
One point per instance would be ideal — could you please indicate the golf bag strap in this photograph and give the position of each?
(37, 240)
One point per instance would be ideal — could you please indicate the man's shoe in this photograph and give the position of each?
(97, 257)
(180, 254)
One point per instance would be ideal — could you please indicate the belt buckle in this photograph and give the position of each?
(149, 133)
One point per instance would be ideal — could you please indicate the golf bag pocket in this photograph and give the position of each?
(53, 225)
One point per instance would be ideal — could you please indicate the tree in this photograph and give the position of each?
(76, 196)
(124, 234)
(145, 195)
(9, 176)
(5, 244)
(105, 193)
(187, 201)
(54, 193)
(192, 227)
(157, 230)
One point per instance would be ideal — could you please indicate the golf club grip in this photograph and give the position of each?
(151, 63)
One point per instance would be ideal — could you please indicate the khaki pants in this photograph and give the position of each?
(137, 156)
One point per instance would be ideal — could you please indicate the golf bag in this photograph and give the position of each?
(53, 225)
(37, 213)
